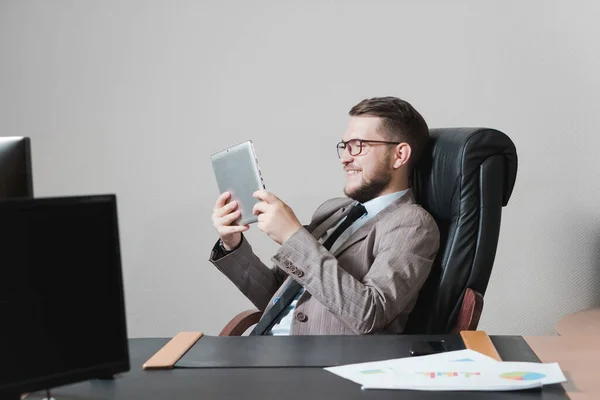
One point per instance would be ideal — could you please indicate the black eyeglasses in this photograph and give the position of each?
(355, 146)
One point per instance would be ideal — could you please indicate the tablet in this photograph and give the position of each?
(236, 170)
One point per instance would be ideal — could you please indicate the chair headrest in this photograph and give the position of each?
(455, 154)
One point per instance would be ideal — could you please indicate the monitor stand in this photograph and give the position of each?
(107, 377)
(18, 396)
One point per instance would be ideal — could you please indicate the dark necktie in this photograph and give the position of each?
(287, 296)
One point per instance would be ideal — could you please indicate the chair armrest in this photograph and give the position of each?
(470, 311)
(241, 322)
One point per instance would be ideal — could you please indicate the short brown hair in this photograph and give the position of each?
(400, 122)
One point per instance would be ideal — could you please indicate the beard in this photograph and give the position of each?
(370, 187)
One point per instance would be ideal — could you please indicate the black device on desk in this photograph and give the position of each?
(427, 347)
(15, 167)
(61, 293)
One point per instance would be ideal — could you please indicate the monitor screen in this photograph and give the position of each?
(15, 167)
(61, 292)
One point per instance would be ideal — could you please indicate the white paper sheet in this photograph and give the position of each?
(455, 370)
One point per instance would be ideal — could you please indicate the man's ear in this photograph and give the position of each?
(402, 153)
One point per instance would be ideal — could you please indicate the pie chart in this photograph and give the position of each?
(522, 376)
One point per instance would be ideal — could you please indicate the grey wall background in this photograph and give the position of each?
(132, 97)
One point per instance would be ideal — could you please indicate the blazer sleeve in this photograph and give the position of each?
(254, 279)
(404, 248)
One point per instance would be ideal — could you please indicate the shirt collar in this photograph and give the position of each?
(377, 204)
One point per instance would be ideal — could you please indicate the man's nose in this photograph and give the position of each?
(346, 158)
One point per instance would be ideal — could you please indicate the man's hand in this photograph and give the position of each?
(275, 218)
(224, 215)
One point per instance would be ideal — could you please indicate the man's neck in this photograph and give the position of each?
(394, 189)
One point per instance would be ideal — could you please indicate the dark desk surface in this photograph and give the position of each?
(308, 383)
(299, 351)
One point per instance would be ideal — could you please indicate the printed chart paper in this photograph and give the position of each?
(455, 370)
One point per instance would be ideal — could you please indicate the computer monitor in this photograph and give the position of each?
(15, 167)
(62, 308)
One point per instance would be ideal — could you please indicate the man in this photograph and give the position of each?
(357, 268)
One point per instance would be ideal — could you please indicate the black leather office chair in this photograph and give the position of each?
(464, 179)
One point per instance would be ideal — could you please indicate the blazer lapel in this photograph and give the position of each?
(361, 233)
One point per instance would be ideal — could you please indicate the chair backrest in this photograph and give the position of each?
(464, 179)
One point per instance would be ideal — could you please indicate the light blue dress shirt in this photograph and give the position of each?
(373, 207)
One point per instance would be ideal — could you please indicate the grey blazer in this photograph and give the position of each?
(368, 285)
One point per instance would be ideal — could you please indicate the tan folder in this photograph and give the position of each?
(170, 353)
(480, 342)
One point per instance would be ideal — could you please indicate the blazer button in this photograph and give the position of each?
(299, 274)
(287, 263)
(301, 317)
(294, 269)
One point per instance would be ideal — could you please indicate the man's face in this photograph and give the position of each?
(368, 174)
